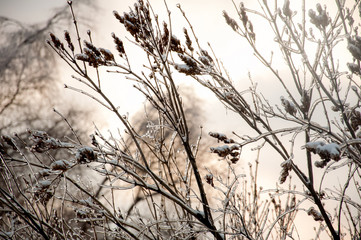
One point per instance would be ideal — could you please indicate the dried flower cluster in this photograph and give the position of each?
(61, 165)
(43, 142)
(138, 23)
(233, 151)
(247, 24)
(95, 56)
(289, 106)
(209, 179)
(85, 155)
(355, 120)
(118, 44)
(305, 101)
(223, 151)
(57, 43)
(315, 214)
(221, 137)
(188, 40)
(286, 168)
(190, 66)
(230, 21)
(354, 46)
(43, 191)
(286, 9)
(354, 68)
(325, 151)
(319, 19)
(68, 40)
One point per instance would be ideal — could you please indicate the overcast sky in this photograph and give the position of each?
(31, 11)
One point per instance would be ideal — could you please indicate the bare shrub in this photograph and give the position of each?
(320, 110)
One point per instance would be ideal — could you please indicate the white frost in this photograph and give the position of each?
(60, 165)
(326, 151)
(182, 67)
(314, 145)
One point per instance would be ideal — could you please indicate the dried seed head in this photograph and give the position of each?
(132, 28)
(312, 146)
(355, 119)
(286, 8)
(68, 40)
(325, 151)
(335, 108)
(175, 44)
(289, 107)
(188, 40)
(219, 136)
(85, 155)
(243, 14)
(67, 36)
(283, 176)
(61, 165)
(108, 55)
(82, 57)
(234, 154)
(56, 42)
(229, 140)
(117, 16)
(305, 101)
(286, 168)
(321, 19)
(234, 160)
(205, 58)
(358, 41)
(91, 58)
(190, 67)
(118, 44)
(90, 46)
(315, 214)
(43, 142)
(224, 151)
(354, 50)
(209, 179)
(322, 163)
(312, 14)
(287, 164)
(165, 35)
(250, 30)
(230, 21)
(42, 191)
(354, 68)
(329, 151)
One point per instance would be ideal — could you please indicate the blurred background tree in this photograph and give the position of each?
(30, 85)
